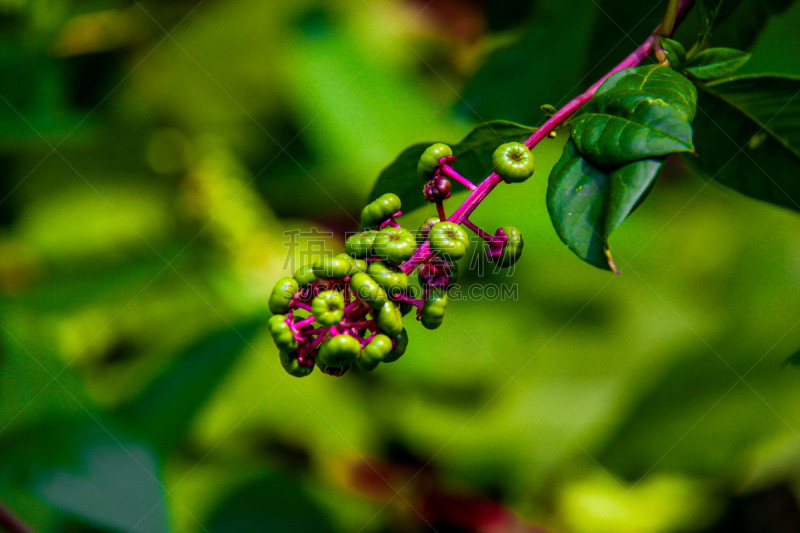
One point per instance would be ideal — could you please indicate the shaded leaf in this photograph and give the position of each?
(164, 411)
(271, 503)
(473, 160)
(716, 63)
(511, 84)
(747, 136)
(586, 203)
(89, 469)
(793, 360)
(739, 23)
(676, 53)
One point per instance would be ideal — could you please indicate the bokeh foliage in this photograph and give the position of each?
(153, 156)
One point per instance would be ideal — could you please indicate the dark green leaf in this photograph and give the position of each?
(716, 63)
(739, 23)
(271, 503)
(89, 469)
(164, 411)
(793, 360)
(638, 113)
(620, 26)
(676, 53)
(586, 203)
(544, 65)
(747, 135)
(473, 160)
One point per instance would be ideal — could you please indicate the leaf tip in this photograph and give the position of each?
(610, 261)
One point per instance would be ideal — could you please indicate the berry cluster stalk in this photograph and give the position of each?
(479, 193)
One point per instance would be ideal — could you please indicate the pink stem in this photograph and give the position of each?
(451, 173)
(423, 253)
(305, 322)
(440, 210)
(482, 234)
(300, 305)
(408, 300)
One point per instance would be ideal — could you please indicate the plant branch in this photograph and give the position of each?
(424, 253)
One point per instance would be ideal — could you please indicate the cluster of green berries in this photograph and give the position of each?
(348, 309)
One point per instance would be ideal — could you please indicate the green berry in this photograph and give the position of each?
(367, 289)
(389, 318)
(332, 267)
(377, 211)
(512, 249)
(429, 161)
(373, 353)
(360, 244)
(328, 308)
(433, 309)
(401, 343)
(449, 240)
(513, 162)
(425, 229)
(394, 244)
(282, 293)
(338, 351)
(293, 367)
(393, 282)
(281, 333)
(354, 265)
(305, 276)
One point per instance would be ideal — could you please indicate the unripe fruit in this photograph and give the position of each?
(379, 210)
(338, 351)
(401, 343)
(367, 289)
(328, 308)
(393, 282)
(513, 162)
(281, 333)
(305, 276)
(433, 310)
(449, 240)
(425, 229)
(429, 161)
(332, 267)
(373, 353)
(360, 244)
(282, 293)
(394, 244)
(293, 367)
(512, 248)
(389, 319)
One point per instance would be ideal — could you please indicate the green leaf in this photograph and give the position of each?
(586, 203)
(637, 113)
(164, 411)
(676, 53)
(716, 63)
(88, 468)
(473, 160)
(657, 81)
(272, 502)
(747, 136)
(793, 360)
(737, 24)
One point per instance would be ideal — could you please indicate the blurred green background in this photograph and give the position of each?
(152, 157)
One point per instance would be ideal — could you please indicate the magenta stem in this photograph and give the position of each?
(300, 305)
(440, 210)
(423, 253)
(408, 300)
(451, 173)
(482, 234)
(305, 322)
